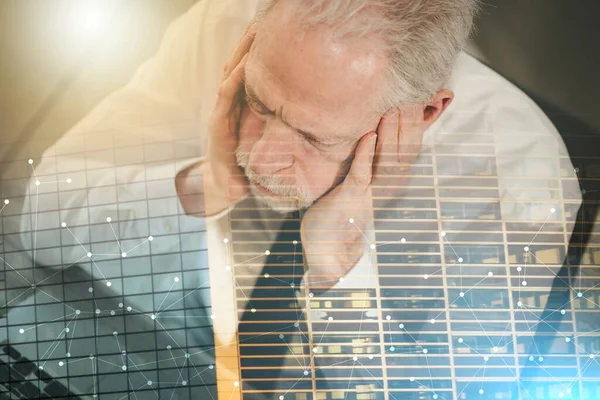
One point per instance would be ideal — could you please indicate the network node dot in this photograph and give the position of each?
(253, 310)
(281, 336)
(108, 219)
(403, 240)
(392, 348)
(37, 183)
(21, 331)
(530, 358)
(462, 294)
(149, 383)
(60, 363)
(69, 180)
(486, 358)
(120, 305)
(150, 238)
(443, 234)
(281, 397)
(480, 391)
(567, 339)
(330, 319)
(153, 316)
(68, 355)
(89, 254)
(351, 220)
(341, 279)
(354, 358)
(115, 333)
(97, 311)
(123, 254)
(77, 312)
(563, 312)
(109, 284)
(91, 356)
(460, 340)
(592, 356)
(176, 279)
(315, 349)
(228, 267)
(519, 304)
(41, 367)
(553, 210)
(311, 295)
(67, 330)
(370, 356)
(296, 325)
(112, 312)
(295, 242)
(184, 383)
(568, 390)
(519, 269)
(305, 373)
(211, 366)
(213, 316)
(425, 351)
(225, 240)
(526, 248)
(236, 383)
(401, 326)
(372, 246)
(168, 347)
(495, 349)
(267, 252)
(425, 276)
(460, 259)
(129, 308)
(388, 317)
(411, 379)
(432, 321)
(33, 285)
(524, 283)
(6, 201)
(267, 275)
(124, 367)
(540, 359)
(434, 397)
(30, 161)
(579, 294)
(292, 284)
(64, 224)
(490, 273)
(187, 355)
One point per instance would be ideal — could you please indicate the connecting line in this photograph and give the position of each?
(115, 233)
(17, 272)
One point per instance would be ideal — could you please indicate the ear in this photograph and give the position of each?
(435, 108)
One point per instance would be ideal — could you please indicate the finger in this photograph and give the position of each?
(227, 94)
(359, 176)
(242, 48)
(387, 147)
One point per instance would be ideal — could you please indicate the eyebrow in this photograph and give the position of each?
(253, 98)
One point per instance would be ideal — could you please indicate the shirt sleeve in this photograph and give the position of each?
(118, 164)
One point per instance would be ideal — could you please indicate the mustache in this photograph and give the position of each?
(274, 184)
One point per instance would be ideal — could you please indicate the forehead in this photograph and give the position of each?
(319, 84)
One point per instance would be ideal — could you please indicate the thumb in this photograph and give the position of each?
(361, 169)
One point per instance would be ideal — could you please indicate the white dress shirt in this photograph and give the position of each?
(121, 159)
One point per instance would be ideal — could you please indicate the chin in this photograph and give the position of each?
(280, 205)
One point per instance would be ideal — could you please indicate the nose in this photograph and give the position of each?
(274, 151)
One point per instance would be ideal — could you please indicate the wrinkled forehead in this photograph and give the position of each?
(333, 82)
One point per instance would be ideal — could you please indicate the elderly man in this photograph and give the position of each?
(361, 121)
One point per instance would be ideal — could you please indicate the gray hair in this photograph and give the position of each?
(422, 38)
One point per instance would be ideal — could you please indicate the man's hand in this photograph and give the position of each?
(223, 182)
(333, 230)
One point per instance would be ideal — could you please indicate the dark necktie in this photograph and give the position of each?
(273, 319)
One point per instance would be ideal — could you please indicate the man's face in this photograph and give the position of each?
(307, 104)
